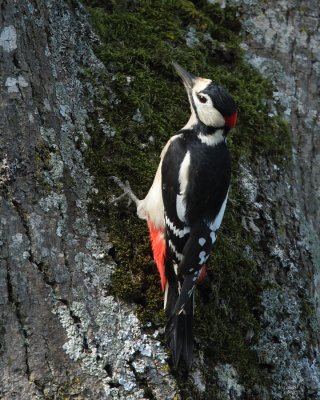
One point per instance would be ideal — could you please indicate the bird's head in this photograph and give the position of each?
(210, 103)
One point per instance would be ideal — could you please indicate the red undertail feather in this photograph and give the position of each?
(203, 274)
(159, 251)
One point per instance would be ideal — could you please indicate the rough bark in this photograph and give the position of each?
(281, 40)
(61, 333)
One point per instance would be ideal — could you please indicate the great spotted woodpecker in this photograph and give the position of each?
(186, 202)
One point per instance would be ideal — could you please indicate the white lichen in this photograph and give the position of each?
(8, 38)
(249, 184)
(14, 85)
(4, 172)
(227, 380)
(191, 37)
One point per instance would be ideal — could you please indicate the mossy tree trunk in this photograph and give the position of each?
(64, 333)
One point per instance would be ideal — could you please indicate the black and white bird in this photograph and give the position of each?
(186, 203)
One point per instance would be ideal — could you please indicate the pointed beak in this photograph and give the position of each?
(187, 78)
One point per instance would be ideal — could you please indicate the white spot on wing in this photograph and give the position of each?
(202, 241)
(213, 236)
(202, 257)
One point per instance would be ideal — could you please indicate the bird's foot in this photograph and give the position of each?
(127, 191)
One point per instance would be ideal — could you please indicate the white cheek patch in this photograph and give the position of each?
(207, 114)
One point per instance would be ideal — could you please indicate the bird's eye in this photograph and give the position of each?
(202, 99)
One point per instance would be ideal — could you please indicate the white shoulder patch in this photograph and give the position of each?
(180, 207)
(184, 173)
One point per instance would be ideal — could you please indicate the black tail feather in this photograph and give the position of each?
(179, 335)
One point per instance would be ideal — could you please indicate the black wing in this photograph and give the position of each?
(192, 219)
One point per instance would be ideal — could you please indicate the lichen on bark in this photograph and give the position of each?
(75, 324)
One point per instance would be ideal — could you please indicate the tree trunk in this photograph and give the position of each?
(62, 334)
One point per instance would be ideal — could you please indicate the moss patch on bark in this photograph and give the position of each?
(140, 104)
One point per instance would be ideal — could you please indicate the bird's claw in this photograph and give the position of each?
(127, 191)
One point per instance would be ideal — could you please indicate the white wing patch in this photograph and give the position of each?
(184, 173)
(215, 225)
(202, 241)
(181, 207)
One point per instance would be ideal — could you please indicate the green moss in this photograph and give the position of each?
(139, 40)
(70, 390)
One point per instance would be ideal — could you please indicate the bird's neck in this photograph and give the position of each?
(199, 127)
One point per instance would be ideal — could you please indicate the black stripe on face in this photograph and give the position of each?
(194, 106)
(221, 100)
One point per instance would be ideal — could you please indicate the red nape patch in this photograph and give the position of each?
(203, 274)
(231, 120)
(159, 252)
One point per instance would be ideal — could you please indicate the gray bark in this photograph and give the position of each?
(282, 41)
(61, 334)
